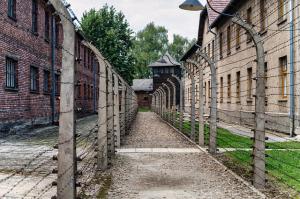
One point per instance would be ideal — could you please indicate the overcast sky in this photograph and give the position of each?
(141, 12)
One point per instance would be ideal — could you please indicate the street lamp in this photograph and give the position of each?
(192, 5)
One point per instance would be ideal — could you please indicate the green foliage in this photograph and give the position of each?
(150, 44)
(109, 31)
(179, 46)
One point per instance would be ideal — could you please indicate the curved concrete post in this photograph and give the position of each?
(259, 179)
(102, 159)
(181, 102)
(116, 110)
(174, 101)
(160, 102)
(66, 183)
(123, 101)
(201, 103)
(213, 106)
(193, 122)
(169, 101)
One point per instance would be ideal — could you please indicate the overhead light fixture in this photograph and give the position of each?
(192, 5)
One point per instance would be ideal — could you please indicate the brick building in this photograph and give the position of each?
(233, 51)
(31, 66)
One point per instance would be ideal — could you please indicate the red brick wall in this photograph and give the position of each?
(18, 41)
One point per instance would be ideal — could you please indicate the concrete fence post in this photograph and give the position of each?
(259, 165)
(117, 111)
(169, 102)
(201, 102)
(123, 104)
(110, 115)
(213, 106)
(102, 159)
(174, 102)
(67, 160)
(192, 136)
(181, 102)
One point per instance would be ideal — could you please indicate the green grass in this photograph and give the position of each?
(144, 109)
(283, 165)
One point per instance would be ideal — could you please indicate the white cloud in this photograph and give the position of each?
(140, 12)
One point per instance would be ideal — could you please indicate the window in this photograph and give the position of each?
(282, 10)
(221, 89)
(229, 87)
(238, 36)
(12, 9)
(34, 79)
(249, 20)
(57, 34)
(238, 86)
(249, 83)
(84, 57)
(57, 84)
(263, 15)
(84, 91)
(47, 82)
(283, 76)
(34, 16)
(47, 25)
(208, 50)
(228, 40)
(79, 49)
(146, 98)
(11, 73)
(172, 70)
(221, 45)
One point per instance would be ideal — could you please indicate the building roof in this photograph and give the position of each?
(219, 6)
(230, 8)
(164, 61)
(142, 85)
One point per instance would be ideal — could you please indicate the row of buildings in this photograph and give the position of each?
(233, 51)
(30, 66)
(277, 22)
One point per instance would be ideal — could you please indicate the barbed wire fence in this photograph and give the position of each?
(61, 162)
(236, 138)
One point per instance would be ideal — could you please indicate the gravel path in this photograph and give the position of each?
(149, 131)
(173, 175)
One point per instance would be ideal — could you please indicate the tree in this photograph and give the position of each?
(179, 46)
(149, 45)
(109, 31)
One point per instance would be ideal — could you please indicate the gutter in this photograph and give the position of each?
(292, 77)
(53, 91)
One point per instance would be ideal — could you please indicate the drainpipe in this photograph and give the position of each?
(94, 85)
(292, 79)
(53, 43)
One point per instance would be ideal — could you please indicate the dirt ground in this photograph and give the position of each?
(151, 174)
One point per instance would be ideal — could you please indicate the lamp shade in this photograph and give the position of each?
(193, 5)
